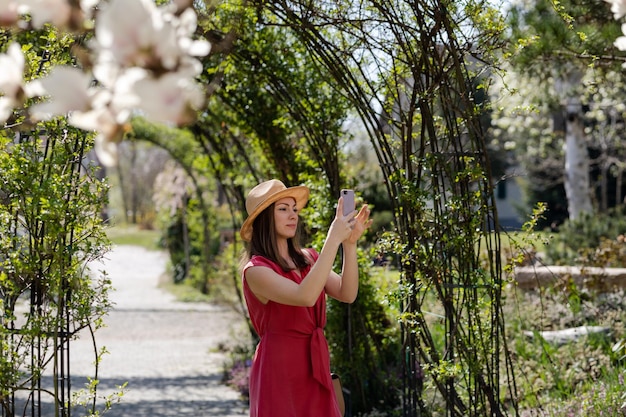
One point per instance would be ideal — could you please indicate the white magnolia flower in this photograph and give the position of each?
(12, 74)
(145, 59)
(189, 67)
(107, 150)
(109, 124)
(6, 109)
(60, 13)
(172, 98)
(110, 132)
(68, 89)
(11, 81)
(166, 47)
(620, 43)
(88, 7)
(57, 12)
(107, 72)
(87, 108)
(9, 12)
(124, 98)
(182, 4)
(618, 7)
(127, 32)
(137, 33)
(187, 24)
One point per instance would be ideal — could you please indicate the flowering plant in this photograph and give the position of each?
(618, 7)
(141, 58)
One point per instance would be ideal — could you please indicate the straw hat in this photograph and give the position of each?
(266, 193)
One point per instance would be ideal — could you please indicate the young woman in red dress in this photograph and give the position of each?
(285, 288)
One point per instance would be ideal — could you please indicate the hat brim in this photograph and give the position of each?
(299, 193)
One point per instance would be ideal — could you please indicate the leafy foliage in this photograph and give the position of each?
(50, 205)
(560, 34)
(364, 342)
(561, 63)
(592, 240)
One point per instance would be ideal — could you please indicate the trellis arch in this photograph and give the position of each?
(51, 228)
(429, 85)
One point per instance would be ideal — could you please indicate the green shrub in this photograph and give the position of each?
(576, 237)
(611, 253)
(364, 341)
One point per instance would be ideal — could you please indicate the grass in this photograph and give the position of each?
(186, 293)
(133, 235)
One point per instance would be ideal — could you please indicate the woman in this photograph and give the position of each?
(285, 289)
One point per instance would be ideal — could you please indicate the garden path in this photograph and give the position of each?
(167, 351)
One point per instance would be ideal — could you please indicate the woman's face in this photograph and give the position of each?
(286, 217)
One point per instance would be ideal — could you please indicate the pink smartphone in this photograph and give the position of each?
(348, 201)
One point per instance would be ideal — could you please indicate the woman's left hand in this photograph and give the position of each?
(360, 223)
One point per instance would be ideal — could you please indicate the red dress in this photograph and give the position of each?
(290, 374)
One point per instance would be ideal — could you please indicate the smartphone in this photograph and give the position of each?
(348, 201)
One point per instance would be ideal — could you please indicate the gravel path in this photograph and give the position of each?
(167, 351)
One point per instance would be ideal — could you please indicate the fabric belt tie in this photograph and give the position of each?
(320, 360)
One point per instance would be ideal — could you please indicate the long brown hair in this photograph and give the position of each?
(263, 242)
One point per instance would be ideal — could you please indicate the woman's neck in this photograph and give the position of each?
(283, 249)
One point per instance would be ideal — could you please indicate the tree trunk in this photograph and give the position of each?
(133, 182)
(618, 185)
(577, 186)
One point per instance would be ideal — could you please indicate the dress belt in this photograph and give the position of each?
(320, 358)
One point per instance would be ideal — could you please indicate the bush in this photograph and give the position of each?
(237, 370)
(364, 340)
(575, 238)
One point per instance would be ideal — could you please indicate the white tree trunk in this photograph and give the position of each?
(577, 186)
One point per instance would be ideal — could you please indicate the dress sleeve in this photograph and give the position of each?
(257, 260)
